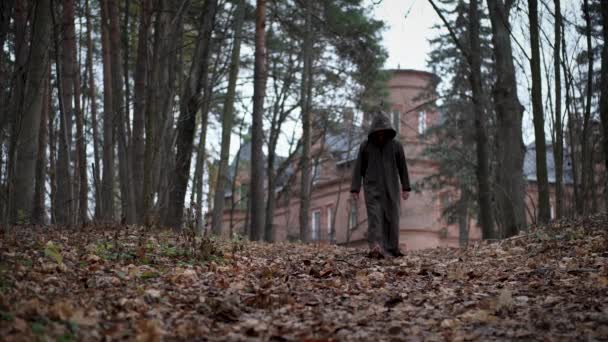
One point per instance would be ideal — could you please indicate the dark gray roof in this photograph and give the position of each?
(344, 144)
(530, 164)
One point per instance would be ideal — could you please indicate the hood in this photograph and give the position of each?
(380, 122)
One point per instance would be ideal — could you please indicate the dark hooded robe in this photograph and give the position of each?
(382, 167)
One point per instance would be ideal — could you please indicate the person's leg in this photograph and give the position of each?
(391, 241)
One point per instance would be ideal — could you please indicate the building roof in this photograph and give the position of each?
(530, 164)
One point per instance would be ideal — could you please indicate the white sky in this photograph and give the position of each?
(406, 37)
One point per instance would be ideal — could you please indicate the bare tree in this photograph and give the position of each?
(256, 198)
(604, 90)
(509, 112)
(93, 107)
(197, 80)
(542, 182)
(139, 110)
(27, 125)
(228, 118)
(305, 104)
(558, 141)
(107, 188)
(127, 196)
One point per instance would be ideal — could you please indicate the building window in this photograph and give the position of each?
(421, 122)
(316, 224)
(397, 120)
(315, 172)
(352, 219)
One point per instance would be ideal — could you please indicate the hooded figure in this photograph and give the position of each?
(382, 166)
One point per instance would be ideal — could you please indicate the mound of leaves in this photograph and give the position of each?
(113, 283)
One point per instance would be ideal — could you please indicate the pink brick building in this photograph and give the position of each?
(421, 222)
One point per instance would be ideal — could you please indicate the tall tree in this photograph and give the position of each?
(558, 141)
(305, 105)
(93, 107)
(473, 53)
(28, 121)
(65, 203)
(587, 174)
(604, 89)
(127, 196)
(542, 181)
(481, 139)
(17, 97)
(139, 110)
(107, 187)
(228, 118)
(72, 75)
(509, 112)
(197, 80)
(39, 211)
(256, 199)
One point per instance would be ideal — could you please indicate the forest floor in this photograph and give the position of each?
(116, 283)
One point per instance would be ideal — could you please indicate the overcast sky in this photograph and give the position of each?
(409, 26)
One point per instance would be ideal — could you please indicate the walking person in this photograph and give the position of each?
(382, 167)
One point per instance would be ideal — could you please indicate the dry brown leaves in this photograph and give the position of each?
(127, 283)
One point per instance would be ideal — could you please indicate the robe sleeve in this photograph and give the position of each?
(359, 169)
(402, 168)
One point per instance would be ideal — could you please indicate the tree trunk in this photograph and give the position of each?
(198, 79)
(65, 87)
(463, 218)
(509, 113)
(39, 212)
(139, 110)
(256, 197)
(305, 100)
(558, 145)
(72, 74)
(52, 162)
(604, 93)
(586, 166)
(93, 104)
(107, 186)
(542, 182)
(160, 95)
(28, 124)
(17, 97)
(479, 104)
(201, 157)
(6, 11)
(227, 120)
(127, 197)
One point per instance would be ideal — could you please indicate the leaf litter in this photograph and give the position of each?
(132, 283)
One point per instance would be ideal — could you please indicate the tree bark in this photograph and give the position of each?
(139, 110)
(509, 113)
(558, 145)
(107, 187)
(586, 165)
(198, 79)
(256, 197)
(479, 104)
(17, 97)
(542, 182)
(64, 213)
(28, 124)
(72, 74)
(604, 92)
(129, 213)
(93, 103)
(39, 212)
(160, 95)
(305, 102)
(227, 120)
